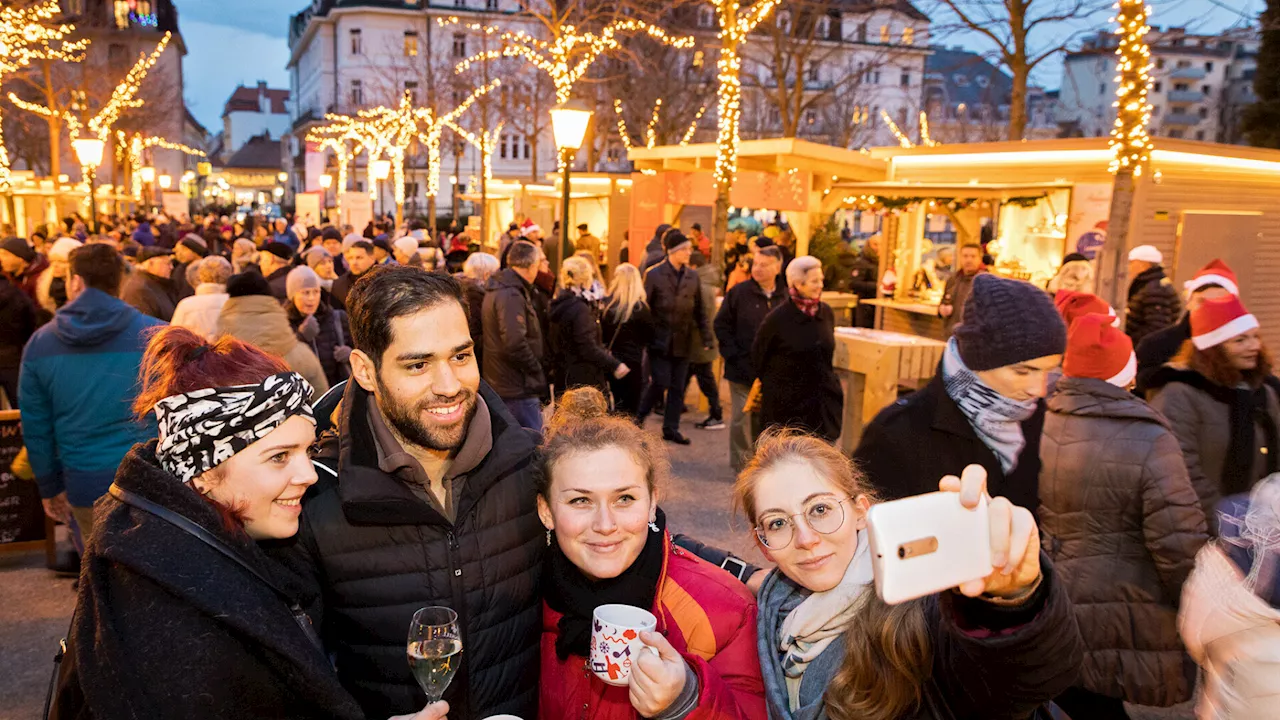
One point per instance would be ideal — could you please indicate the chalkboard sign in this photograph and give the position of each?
(21, 513)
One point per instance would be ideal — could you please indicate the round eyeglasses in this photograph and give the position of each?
(823, 516)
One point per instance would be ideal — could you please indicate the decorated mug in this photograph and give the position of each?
(615, 641)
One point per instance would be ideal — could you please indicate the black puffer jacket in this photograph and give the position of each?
(380, 553)
(740, 316)
(627, 341)
(579, 355)
(1153, 304)
(333, 331)
(513, 351)
(474, 291)
(676, 303)
(1158, 348)
(1123, 524)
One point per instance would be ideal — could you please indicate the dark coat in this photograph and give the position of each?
(915, 442)
(627, 341)
(150, 294)
(334, 331)
(167, 627)
(654, 252)
(512, 338)
(474, 292)
(1123, 524)
(181, 288)
(380, 552)
(739, 319)
(676, 303)
(17, 323)
(799, 386)
(342, 288)
(1153, 304)
(278, 279)
(864, 274)
(578, 353)
(955, 293)
(1158, 348)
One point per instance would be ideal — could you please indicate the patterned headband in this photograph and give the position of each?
(202, 429)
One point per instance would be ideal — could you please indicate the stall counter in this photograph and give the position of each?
(910, 318)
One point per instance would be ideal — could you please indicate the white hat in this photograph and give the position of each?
(62, 248)
(352, 239)
(407, 245)
(1146, 253)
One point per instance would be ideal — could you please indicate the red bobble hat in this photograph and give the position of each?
(1097, 349)
(1215, 273)
(1072, 305)
(1218, 320)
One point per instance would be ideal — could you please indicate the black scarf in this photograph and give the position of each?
(570, 593)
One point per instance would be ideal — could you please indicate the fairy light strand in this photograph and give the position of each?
(1130, 142)
(901, 137)
(735, 26)
(693, 126)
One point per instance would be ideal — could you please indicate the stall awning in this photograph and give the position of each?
(771, 155)
(988, 191)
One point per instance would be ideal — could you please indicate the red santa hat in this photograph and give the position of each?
(1217, 320)
(1215, 273)
(1072, 304)
(1097, 349)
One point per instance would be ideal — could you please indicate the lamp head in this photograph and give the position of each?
(88, 151)
(569, 124)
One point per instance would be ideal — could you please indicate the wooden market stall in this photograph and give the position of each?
(41, 201)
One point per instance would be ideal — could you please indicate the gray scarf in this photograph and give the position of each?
(995, 418)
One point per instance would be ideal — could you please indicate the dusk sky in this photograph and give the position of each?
(233, 42)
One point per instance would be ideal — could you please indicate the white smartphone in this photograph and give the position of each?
(926, 544)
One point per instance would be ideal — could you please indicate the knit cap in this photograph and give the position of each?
(331, 233)
(62, 248)
(407, 245)
(19, 247)
(195, 244)
(299, 279)
(1097, 349)
(316, 255)
(350, 240)
(1007, 322)
(247, 283)
(674, 240)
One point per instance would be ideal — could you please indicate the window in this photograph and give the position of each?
(460, 3)
(411, 87)
(699, 58)
(1207, 90)
(459, 45)
(905, 80)
(822, 30)
(1159, 63)
(1181, 86)
(813, 72)
(411, 43)
(1156, 86)
(122, 14)
(982, 80)
(884, 33)
(1155, 111)
(706, 17)
(875, 115)
(810, 116)
(960, 80)
(357, 93)
(784, 21)
(1199, 134)
(117, 56)
(1102, 88)
(908, 36)
(411, 189)
(527, 148)
(1184, 63)
(357, 42)
(875, 77)
(775, 118)
(502, 146)
(1204, 113)
(1175, 133)
(862, 32)
(491, 5)
(1208, 67)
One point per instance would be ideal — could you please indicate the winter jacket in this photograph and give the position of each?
(955, 294)
(1153, 304)
(342, 288)
(474, 291)
(166, 627)
(79, 381)
(654, 253)
(865, 274)
(199, 312)
(150, 294)
(334, 332)
(704, 348)
(839, 273)
(737, 322)
(513, 358)
(578, 354)
(706, 615)
(913, 443)
(143, 235)
(989, 662)
(277, 280)
(18, 321)
(627, 341)
(1157, 349)
(676, 302)
(1122, 523)
(799, 386)
(259, 320)
(381, 552)
(181, 288)
(1200, 415)
(29, 280)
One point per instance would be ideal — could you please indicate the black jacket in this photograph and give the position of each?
(799, 387)
(380, 552)
(654, 252)
(17, 323)
(474, 292)
(334, 330)
(627, 341)
(278, 279)
(342, 288)
(579, 355)
(913, 443)
(1153, 304)
(739, 319)
(1158, 348)
(150, 294)
(676, 303)
(166, 627)
(865, 280)
(512, 338)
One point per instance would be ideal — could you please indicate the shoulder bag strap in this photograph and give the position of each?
(186, 525)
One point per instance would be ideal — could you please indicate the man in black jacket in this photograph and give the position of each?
(360, 259)
(1153, 301)
(740, 317)
(275, 261)
(985, 406)
(1215, 280)
(674, 297)
(513, 350)
(425, 497)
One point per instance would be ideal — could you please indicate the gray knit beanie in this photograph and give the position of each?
(299, 279)
(1007, 322)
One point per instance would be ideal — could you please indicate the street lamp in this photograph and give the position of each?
(381, 170)
(89, 153)
(166, 181)
(569, 123)
(283, 176)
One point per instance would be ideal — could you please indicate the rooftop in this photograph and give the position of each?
(246, 99)
(259, 153)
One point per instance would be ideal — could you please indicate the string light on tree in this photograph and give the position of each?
(1130, 142)
(651, 135)
(125, 94)
(735, 26)
(622, 125)
(432, 128)
(693, 126)
(486, 142)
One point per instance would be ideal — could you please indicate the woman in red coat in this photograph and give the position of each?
(598, 498)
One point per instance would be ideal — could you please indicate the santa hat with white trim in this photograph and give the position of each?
(1215, 273)
(1217, 320)
(1097, 349)
(1073, 304)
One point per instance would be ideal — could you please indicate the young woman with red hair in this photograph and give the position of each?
(181, 613)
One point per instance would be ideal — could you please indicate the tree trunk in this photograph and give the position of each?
(1018, 102)
(719, 227)
(1112, 265)
(431, 214)
(55, 124)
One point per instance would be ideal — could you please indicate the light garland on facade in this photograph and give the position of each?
(1130, 140)
(735, 26)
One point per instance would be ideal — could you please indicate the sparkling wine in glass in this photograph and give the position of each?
(435, 649)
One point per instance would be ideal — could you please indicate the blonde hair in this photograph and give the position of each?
(576, 273)
(626, 292)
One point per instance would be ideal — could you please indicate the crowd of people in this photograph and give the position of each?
(315, 433)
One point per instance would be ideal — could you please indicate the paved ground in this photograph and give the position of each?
(35, 607)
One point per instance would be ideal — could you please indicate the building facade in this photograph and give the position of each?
(967, 99)
(250, 112)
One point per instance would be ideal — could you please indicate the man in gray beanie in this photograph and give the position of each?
(984, 407)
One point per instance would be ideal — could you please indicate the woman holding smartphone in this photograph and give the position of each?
(181, 614)
(598, 498)
(991, 649)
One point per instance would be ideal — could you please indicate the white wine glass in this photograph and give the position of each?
(434, 648)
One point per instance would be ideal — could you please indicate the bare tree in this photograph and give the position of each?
(658, 88)
(527, 99)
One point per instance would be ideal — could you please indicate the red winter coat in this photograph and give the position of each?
(706, 615)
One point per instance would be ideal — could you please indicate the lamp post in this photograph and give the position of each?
(326, 182)
(381, 170)
(148, 175)
(89, 153)
(569, 123)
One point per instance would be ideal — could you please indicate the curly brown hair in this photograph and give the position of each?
(582, 423)
(1214, 364)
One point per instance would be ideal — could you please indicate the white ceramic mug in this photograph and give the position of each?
(502, 717)
(615, 641)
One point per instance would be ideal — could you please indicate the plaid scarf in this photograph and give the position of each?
(808, 306)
